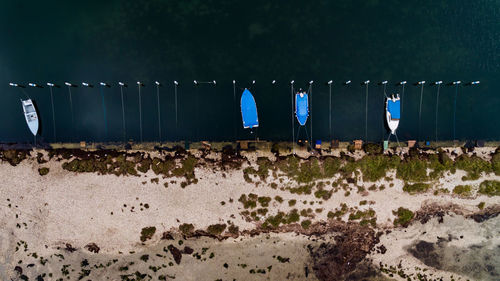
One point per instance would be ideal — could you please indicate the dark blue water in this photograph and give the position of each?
(130, 41)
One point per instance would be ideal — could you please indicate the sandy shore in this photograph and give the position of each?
(48, 212)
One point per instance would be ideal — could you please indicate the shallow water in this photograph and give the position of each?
(133, 41)
(479, 261)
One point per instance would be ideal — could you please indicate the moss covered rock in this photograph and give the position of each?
(43, 171)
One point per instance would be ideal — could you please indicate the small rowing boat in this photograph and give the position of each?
(301, 107)
(249, 110)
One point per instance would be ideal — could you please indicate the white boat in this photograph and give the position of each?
(393, 112)
(30, 115)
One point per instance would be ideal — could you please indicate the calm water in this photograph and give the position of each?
(56, 41)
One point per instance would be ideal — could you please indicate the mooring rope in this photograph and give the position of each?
(159, 111)
(437, 103)
(293, 120)
(384, 101)
(104, 112)
(310, 110)
(24, 92)
(53, 114)
(123, 115)
(234, 109)
(72, 112)
(402, 94)
(455, 112)
(420, 111)
(366, 114)
(140, 112)
(330, 109)
(175, 97)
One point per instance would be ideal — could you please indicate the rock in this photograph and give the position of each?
(167, 236)
(188, 250)
(18, 269)
(481, 217)
(92, 247)
(176, 253)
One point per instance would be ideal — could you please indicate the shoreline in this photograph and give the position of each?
(219, 145)
(112, 198)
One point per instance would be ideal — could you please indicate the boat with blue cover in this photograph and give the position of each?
(302, 107)
(249, 110)
(393, 112)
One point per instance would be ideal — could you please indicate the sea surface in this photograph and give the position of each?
(147, 41)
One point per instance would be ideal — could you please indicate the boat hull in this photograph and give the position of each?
(301, 108)
(249, 110)
(30, 115)
(392, 122)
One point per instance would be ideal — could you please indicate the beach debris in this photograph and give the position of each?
(92, 247)
(70, 248)
(167, 236)
(336, 261)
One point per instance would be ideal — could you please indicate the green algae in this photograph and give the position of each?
(163, 167)
(281, 218)
(490, 188)
(440, 163)
(302, 189)
(278, 199)
(323, 194)
(481, 205)
(404, 217)
(14, 157)
(370, 213)
(412, 169)
(186, 228)
(292, 217)
(43, 171)
(495, 162)
(147, 233)
(331, 166)
(118, 166)
(473, 165)
(144, 165)
(373, 148)
(375, 167)
(264, 201)
(463, 190)
(339, 212)
(216, 229)
(416, 187)
(233, 229)
(305, 224)
(250, 201)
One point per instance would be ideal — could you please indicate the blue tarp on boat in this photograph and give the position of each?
(301, 108)
(249, 110)
(394, 108)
